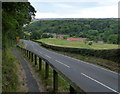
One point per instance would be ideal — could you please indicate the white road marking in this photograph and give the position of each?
(48, 56)
(62, 63)
(100, 83)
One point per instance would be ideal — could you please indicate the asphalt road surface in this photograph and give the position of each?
(89, 77)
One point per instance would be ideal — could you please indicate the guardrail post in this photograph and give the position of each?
(23, 51)
(46, 70)
(29, 55)
(32, 57)
(72, 90)
(40, 64)
(26, 52)
(35, 59)
(55, 81)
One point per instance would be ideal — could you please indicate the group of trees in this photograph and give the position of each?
(14, 16)
(93, 29)
(37, 35)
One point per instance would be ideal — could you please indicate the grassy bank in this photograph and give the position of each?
(78, 44)
(13, 77)
(9, 76)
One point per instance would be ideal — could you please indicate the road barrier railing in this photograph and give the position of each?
(74, 89)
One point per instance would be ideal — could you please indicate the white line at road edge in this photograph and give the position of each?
(48, 56)
(100, 83)
(62, 63)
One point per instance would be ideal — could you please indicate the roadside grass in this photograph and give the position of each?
(10, 81)
(111, 65)
(77, 44)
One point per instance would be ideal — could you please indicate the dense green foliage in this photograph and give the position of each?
(37, 35)
(93, 29)
(14, 16)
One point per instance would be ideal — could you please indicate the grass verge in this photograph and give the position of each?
(13, 78)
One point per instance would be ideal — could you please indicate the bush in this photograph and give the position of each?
(90, 43)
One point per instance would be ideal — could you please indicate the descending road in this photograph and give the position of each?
(89, 77)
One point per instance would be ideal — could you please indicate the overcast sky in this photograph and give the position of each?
(76, 8)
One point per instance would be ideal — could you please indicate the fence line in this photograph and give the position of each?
(74, 89)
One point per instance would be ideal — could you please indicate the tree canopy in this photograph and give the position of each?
(14, 16)
(92, 29)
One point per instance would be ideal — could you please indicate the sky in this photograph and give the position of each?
(75, 8)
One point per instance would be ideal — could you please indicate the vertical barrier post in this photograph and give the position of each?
(35, 59)
(55, 81)
(29, 55)
(32, 57)
(72, 90)
(40, 64)
(26, 52)
(23, 51)
(46, 70)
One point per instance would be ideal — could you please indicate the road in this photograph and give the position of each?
(89, 77)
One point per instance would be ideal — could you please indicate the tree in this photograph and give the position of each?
(14, 16)
(44, 36)
(50, 36)
(36, 35)
(65, 37)
(113, 39)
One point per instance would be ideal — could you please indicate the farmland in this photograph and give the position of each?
(78, 44)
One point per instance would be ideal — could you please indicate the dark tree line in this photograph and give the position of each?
(93, 29)
(14, 16)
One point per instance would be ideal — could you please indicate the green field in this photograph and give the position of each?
(78, 44)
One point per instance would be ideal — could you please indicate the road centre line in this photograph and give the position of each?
(62, 63)
(100, 83)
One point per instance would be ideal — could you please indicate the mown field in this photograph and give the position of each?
(78, 44)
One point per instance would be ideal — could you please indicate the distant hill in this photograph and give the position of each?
(99, 29)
